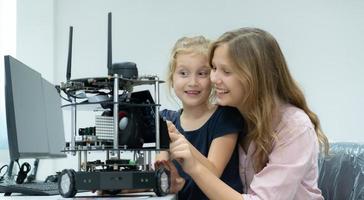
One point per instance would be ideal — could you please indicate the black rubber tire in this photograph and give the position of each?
(162, 185)
(72, 191)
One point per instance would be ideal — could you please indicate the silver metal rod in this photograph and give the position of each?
(116, 111)
(85, 157)
(149, 160)
(145, 160)
(156, 96)
(73, 126)
(79, 160)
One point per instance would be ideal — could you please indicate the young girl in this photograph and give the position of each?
(278, 158)
(211, 130)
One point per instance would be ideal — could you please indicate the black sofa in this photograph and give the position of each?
(342, 172)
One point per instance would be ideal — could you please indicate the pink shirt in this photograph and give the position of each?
(292, 169)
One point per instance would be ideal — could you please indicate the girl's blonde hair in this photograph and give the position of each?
(261, 67)
(198, 45)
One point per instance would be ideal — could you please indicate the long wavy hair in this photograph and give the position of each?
(262, 68)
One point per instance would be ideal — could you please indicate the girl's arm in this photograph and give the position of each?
(220, 151)
(219, 154)
(208, 182)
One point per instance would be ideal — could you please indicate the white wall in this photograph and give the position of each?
(322, 40)
(35, 35)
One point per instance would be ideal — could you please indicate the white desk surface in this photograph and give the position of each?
(90, 195)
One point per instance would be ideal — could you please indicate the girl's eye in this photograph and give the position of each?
(204, 73)
(226, 72)
(183, 73)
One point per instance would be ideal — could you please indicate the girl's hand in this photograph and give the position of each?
(177, 182)
(180, 149)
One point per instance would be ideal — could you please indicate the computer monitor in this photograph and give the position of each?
(54, 120)
(33, 113)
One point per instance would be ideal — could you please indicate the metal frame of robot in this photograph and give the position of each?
(70, 181)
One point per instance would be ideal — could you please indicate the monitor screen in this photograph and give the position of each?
(54, 119)
(33, 113)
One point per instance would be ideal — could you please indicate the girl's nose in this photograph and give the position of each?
(193, 80)
(213, 77)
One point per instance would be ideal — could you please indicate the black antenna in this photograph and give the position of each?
(69, 59)
(109, 46)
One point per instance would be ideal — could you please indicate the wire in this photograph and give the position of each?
(64, 98)
(17, 161)
(1, 168)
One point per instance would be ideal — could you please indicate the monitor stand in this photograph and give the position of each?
(10, 171)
